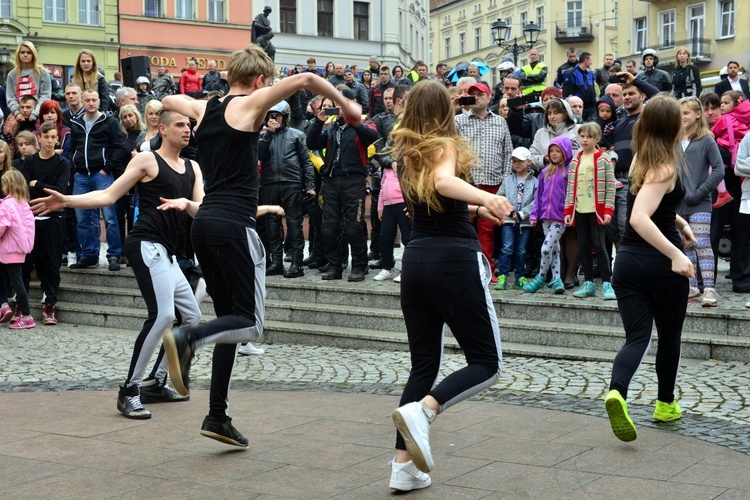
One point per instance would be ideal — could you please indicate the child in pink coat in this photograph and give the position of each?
(16, 240)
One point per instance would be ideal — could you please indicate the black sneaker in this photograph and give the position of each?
(114, 263)
(222, 431)
(85, 262)
(156, 393)
(357, 275)
(179, 356)
(129, 403)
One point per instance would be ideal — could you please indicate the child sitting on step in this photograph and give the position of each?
(520, 189)
(548, 208)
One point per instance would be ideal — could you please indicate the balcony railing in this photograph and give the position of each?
(700, 51)
(571, 34)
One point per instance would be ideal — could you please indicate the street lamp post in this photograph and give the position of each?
(500, 31)
(4, 60)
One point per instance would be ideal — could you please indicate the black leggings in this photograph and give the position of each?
(12, 276)
(591, 235)
(444, 281)
(648, 291)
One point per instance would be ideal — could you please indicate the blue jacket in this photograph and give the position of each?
(509, 189)
(581, 84)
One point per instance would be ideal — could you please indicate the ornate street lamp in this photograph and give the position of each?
(500, 32)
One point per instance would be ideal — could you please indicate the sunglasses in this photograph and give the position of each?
(689, 98)
(274, 116)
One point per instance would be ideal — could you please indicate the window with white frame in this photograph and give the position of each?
(540, 17)
(575, 14)
(509, 22)
(185, 10)
(462, 13)
(493, 3)
(640, 27)
(447, 19)
(216, 11)
(447, 45)
(477, 38)
(726, 18)
(55, 11)
(5, 10)
(462, 43)
(696, 24)
(667, 26)
(477, 8)
(153, 8)
(524, 19)
(88, 12)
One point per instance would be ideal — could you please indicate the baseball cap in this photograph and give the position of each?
(521, 154)
(481, 87)
(348, 94)
(348, 70)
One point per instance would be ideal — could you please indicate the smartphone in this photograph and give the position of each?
(616, 78)
(467, 100)
(332, 111)
(515, 102)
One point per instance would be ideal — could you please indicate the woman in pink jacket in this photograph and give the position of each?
(16, 240)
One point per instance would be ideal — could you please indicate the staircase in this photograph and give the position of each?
(368, 315)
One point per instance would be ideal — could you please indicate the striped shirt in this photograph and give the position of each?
(492, 146)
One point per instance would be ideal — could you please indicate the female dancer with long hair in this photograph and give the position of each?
(651, 270)
(444, 277)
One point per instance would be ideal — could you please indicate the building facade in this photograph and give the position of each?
(709, 29)
(59, 30)
(171, 32)
(347, 31)
(460, 30)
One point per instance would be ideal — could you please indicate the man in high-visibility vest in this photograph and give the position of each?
(533, 75)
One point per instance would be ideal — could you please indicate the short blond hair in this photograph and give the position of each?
(247, 64)
(591, 129)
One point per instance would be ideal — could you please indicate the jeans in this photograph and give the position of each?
(88, 220)
(515, 239)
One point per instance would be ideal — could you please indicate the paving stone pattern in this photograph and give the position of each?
(67, 357)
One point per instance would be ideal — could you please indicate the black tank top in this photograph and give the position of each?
(453, 221)
(229, 160)
(663, 217)
(161, 226)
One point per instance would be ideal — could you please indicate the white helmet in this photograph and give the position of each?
(506, 66)
(652, 53)
(142, 79)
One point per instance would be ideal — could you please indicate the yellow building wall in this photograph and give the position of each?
(58, 44)
(598, 16)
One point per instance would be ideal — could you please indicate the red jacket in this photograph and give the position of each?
(604, 187)
(190, 82)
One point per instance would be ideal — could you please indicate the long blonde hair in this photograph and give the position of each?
(14, 184)
(83, 81)
(426, 133)
(701, 126)
(655, 138)
(130, 108)
(7, 165)
(38, 68)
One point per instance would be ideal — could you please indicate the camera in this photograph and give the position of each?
(522, 101)
(616, 79)
(468, 100)
(332, 111)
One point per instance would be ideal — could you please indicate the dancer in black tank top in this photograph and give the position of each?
(165, 184)
(223, 234)
(651, 270)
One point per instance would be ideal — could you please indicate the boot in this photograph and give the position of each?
(317, 263)
(294, 271)
(276, 268)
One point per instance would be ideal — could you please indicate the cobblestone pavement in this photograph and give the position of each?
(712, 394)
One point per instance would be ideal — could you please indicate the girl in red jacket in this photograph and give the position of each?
(190, 81)
(16, 240)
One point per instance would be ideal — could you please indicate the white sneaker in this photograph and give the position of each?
(72, 258)
(397, 279)
(406, 477)
(250, 350)
(384, 274)
(200, 291)
(413, 422)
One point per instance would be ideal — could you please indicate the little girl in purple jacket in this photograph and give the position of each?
(16, 240)
(548, 208)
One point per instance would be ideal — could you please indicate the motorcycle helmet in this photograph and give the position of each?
(652, 53)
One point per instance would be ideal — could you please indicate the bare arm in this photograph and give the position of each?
(95, 199)
(450, 186)
(185, 105)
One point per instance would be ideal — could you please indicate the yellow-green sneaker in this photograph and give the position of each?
(501, 280)
(667, 412)
(617, 410)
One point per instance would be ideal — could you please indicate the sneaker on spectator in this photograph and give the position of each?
(493, 281)
(500, 280)
(200, 291)
(249, 349)
(5, 313)
(72, 258)
(84, 263)
(397, 279)
(23, 323)
(16, 314)
(710, 297)
(48, 315)
(723, 199)
(520, 283)
(694, 293)
(608, 293)
(384, 274)
(114, 263)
